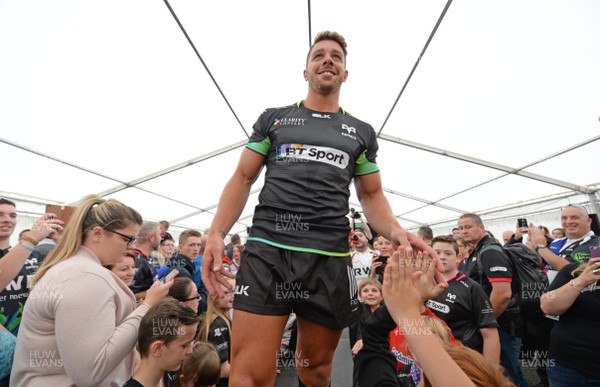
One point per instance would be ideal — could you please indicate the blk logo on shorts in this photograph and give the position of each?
(241, 290)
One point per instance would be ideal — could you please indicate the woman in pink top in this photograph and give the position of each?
(80, 323)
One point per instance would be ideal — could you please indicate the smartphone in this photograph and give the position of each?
(169, 277)
(594, 251)
(522, 222)
(62, 212)
(380, 269)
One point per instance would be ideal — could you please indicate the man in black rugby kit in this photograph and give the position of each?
(491, 267)
(297, 256)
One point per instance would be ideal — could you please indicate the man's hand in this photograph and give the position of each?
(212, 265)
(44, 226)
(411, 244)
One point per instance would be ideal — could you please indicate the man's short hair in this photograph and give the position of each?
(474, 217)
(147, 229)
(446, 239)
(329, 35)
(9, 202)
(425, 232)
(165, 224)
(162, 322)
(235, 239)
(188, 233)
(578, 206)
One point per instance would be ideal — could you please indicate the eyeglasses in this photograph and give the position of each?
(196, 297)
(126, 238)
(168, 245)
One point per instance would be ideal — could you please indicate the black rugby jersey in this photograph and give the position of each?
(311, 158)
(465, 308)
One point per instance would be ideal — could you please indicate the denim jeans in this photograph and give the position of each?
(510, 349)
(560, 375)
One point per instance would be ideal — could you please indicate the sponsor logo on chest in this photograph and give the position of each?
(331, 156)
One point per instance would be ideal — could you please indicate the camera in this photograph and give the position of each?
(381, 269)
(355, 214)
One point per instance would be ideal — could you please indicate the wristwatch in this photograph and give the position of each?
(538, 247)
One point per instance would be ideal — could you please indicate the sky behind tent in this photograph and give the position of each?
(98, 97)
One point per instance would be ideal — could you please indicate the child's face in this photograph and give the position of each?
(385, 246)
(175, 352)
(447, 255)
(371, 295)
(225, 303)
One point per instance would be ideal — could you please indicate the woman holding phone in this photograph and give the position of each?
(80, 323)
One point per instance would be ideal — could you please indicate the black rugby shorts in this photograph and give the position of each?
(274, 281)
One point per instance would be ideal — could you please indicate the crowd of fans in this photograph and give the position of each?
(88, 303)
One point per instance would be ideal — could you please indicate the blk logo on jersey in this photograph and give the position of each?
(498, 268)
(321, 154)
(318, 115)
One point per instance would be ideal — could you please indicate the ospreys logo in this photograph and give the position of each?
(322, 154)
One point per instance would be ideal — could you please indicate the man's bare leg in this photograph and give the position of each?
(255, 343)
(314, 352)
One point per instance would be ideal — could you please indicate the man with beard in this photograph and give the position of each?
(297, 256)
(145, 274)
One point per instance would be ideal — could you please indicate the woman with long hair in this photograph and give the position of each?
(185, 291)
(80, 322)
(215, 327)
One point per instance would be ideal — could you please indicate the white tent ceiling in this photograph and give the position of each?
(498, 116)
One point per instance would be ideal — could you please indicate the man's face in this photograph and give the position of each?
(8, 220)
(191, 247)
(447, 255)
(326, 68)
(506, 236)
(361, 243)
(471, 231)
(156, 239)
(575, 222)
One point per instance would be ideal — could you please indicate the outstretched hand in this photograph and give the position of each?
(408, 281)
(213, 272)
(412, 244)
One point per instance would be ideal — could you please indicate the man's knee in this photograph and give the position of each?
(315, 375)
(251, 378)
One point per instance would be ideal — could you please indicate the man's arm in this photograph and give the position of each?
(538, 238)
(232, 202)
(500, 297)
(377, 209)
(553, 260)
(12, 263)
(491, 344)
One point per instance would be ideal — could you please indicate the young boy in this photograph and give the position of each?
(463, 305)
(164, 341)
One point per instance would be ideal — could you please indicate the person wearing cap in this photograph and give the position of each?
(574, 247)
